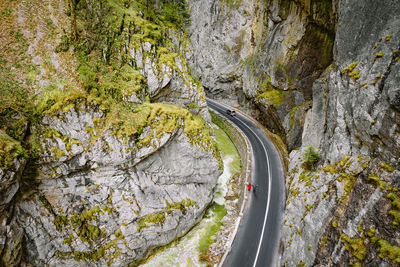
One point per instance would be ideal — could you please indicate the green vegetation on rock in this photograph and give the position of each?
(380, 55)
(356, 245)
(377, 180)
(207, 238)
(228, 148)
(389, 251)
(310, 157)
(355, 75)
(182, 206)
(154, 218)
(275, 97)
(386, 167)
(395, 212)
(9, 150)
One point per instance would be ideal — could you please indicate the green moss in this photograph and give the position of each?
(57, 153)
(155, 218)
(294, 192)
(356, 245)
(64, 44)
(294, 110)
(80, 223)
(360, 227)
(349, 71)
(231, 3)
(394, 212)
(388, 37)
(324, 241)
(127, 121)
(275, 97)
(96, 254)
(69, 239)
(305, 178)
(380, 55)
(371, 232)
(9, 150)
(185, 203)
(395, 200)
(389, 251)
(396, 216)
(332, 169)
(386, 167)
(349, 184)
(309, 207)
(335, 224)
(377, 180)
(193, 106)
(355, 75)
(60, 222)
(70, 142)
(344, 163)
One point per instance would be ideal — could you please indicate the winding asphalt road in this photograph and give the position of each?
(257, 240)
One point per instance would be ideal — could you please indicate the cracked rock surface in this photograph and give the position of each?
(322, 74)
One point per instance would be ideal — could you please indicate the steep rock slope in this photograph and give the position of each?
(323, 74)
(106, 162)
(346, 212)
(267, 52)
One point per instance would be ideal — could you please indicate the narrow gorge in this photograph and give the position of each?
(108, 151)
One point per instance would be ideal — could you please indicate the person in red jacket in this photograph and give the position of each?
(249, 187)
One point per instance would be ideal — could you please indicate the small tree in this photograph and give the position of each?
(310, 156)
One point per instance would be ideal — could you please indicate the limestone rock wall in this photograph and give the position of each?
(107, 155)
(107, 201)
(263, 55)
(322, 74)
(343, 211)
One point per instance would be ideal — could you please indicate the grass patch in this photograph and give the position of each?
(207, 238)
(227, 148)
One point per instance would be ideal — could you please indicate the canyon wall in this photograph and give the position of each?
(105, 148)
(323, 74)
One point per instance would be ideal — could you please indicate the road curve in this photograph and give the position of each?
(257, 240)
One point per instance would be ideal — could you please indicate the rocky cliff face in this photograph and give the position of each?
(265, 52)
(104, 199)
(113, 157)
(322, 74)
(353, 122)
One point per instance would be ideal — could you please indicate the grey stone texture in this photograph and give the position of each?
(337, 64)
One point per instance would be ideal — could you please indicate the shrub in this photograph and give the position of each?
(311, 155)
(176, 13)
(64, 44)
